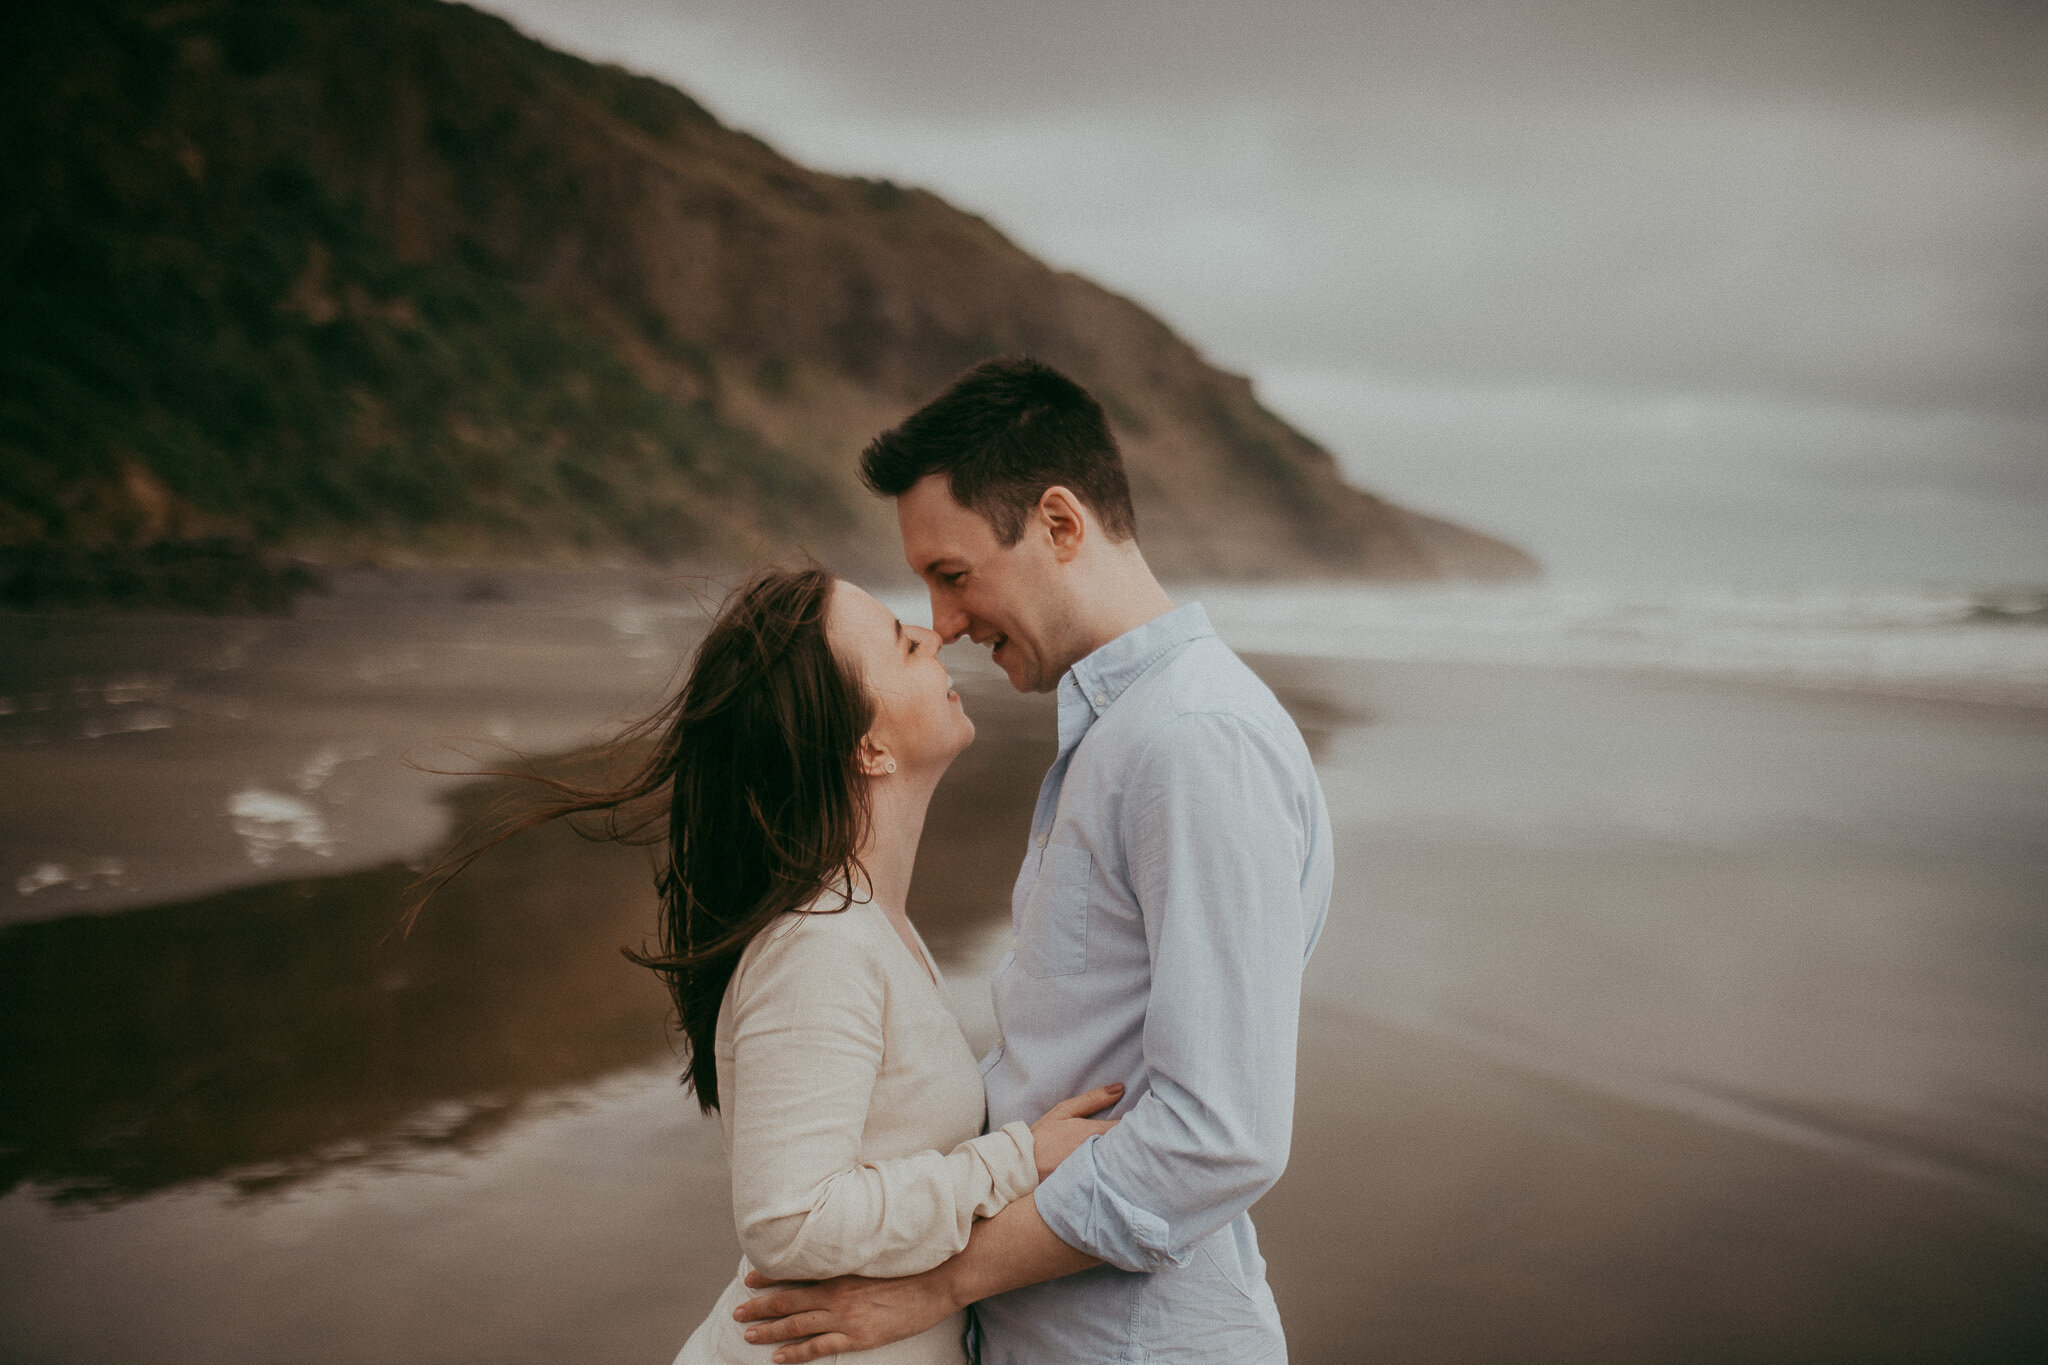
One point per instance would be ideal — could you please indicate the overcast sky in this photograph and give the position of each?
(1731, 291)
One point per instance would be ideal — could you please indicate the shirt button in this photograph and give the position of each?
(1102, 698)
(1041, 841)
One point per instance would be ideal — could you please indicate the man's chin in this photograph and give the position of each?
(1021, 674)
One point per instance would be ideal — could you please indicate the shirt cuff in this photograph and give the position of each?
(1088, 1214)
(1012, 1163)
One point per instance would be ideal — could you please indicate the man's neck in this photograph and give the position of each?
(1119, 596)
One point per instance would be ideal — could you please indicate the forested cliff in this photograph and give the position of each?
(375, 278)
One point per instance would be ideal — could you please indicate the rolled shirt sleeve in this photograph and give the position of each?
(1216, 838)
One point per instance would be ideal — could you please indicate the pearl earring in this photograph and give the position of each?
(890, 766)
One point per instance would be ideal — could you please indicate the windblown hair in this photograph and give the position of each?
(1002, 434)
(766, 806)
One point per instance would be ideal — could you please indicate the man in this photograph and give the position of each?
(1177, 877)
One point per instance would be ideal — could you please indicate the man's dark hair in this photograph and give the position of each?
(1002, 434)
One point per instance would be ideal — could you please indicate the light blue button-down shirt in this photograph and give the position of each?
(1178, 875)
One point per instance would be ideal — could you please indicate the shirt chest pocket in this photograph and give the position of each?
(1053, 940)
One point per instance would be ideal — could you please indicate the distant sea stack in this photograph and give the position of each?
(389, 279)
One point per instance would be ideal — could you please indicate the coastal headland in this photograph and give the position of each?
(390, 282)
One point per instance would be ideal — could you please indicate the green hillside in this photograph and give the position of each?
(388, 279)
(202, 334)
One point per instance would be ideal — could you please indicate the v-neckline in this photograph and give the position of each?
(914, 945)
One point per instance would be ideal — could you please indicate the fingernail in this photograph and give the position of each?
(751, 1334)
(1116, 1085)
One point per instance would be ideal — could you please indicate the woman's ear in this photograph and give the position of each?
(874, 759)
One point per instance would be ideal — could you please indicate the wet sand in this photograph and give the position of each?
(1655, 1021)
(127, 741)
(1671, 1021)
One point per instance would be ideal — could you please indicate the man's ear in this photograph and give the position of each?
(1065, 522)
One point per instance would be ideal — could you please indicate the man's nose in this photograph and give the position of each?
(948, 621)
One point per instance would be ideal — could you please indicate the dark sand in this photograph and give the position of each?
(1655, 1021)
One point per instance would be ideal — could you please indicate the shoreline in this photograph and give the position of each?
(550, 618)
(1985, 645)
(1558, 893)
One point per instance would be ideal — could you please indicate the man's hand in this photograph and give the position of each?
(1006, 1252)
(850, 1313)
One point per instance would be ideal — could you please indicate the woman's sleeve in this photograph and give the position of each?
(807, 1047)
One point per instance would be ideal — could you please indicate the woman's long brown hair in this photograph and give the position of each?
(766, 806)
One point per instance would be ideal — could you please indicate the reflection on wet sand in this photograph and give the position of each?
(466, 1145)
(265, 1035)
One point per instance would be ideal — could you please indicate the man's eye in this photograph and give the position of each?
(952, 580)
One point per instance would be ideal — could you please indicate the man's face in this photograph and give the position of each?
(1006, 597)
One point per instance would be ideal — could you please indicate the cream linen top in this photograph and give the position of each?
(852, 1110)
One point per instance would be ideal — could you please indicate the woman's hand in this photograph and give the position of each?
(1065, 1125)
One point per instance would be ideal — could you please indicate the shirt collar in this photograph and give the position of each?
(1092, 686)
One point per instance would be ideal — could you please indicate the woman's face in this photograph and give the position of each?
(918, 719)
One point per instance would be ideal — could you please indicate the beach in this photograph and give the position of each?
(1664, 1012)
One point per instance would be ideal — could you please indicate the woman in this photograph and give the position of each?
(797, 764)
